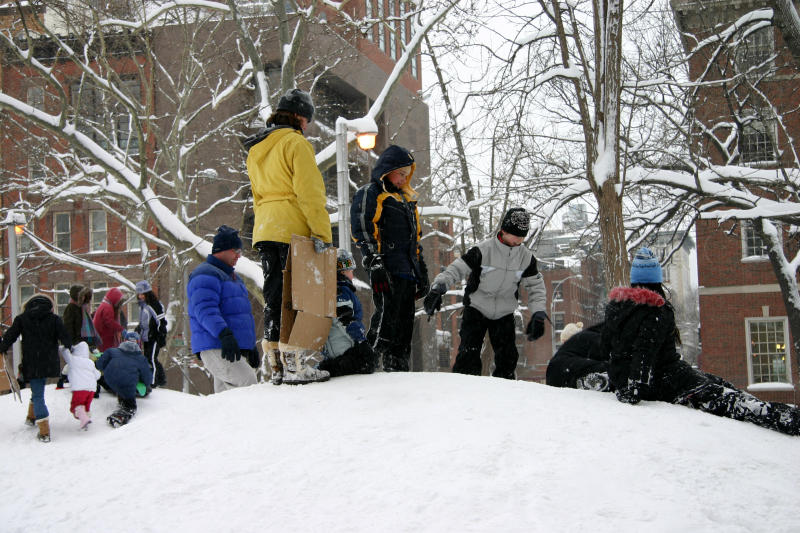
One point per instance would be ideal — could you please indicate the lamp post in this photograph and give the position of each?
(552, 308)
(365, 130)
(15, 222)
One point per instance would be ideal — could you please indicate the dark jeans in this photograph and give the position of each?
(360, 359)
(37, 397)
(273, 261)
(502, 334)
(392, 324)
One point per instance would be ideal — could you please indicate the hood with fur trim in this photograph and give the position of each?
(636, 295)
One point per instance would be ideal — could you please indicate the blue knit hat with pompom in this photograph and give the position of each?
(645, 268)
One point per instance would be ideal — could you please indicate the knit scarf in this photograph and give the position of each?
(145, 314)
(87, 326)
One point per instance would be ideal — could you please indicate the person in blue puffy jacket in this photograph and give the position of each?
(221, 317)
(123, 368)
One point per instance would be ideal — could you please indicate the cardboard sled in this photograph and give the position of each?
(309, 295)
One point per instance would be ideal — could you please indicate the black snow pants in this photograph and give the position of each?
(273, 262)
(392, 325)
(360, 359)
(502, 335)
(150, 350)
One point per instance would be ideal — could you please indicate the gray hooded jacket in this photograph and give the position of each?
(494, 272)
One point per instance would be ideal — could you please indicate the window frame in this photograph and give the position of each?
(67, 235)
(748, 233)
(131, 233)
(60, 291)
(754, 49)
(92, 231)
(787, 358)
(761, 133)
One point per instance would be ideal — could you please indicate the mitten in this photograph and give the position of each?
(230, 348)
(378, 276)
(630, 394)
(320, 245)
(433, 301)
(535, 327)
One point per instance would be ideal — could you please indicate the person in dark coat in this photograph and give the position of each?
(639, 337)
(579, 362)
(42, 331)
(77, 319)
(123, 368)
(153, 330)
(347, 350)
(385, 225)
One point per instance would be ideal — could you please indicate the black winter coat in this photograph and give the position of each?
(385, 221)
(42, 331)
(578, 356)
(639, 337)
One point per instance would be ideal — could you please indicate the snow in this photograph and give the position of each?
(396, 452)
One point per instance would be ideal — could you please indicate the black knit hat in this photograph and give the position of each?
(297, 101)
(516, 221)
(226, 238)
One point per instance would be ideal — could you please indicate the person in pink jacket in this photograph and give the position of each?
(106, 320)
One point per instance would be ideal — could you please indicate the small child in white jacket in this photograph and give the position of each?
(82, 379)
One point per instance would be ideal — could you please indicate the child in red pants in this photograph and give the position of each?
(82, 379)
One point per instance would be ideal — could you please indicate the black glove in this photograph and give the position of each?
(536, 325)
(631, 394)
(345, 314)
(320, 245)
(433, 301)
(253, 359)
(230, 348)
(378, 276)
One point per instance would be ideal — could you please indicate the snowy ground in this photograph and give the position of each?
(393, 452)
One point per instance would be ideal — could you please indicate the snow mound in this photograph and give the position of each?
(395, 452)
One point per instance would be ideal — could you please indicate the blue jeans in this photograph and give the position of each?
(37, 397)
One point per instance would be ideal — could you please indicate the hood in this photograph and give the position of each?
(114, 296)
(252, 140)
(81, 350)
(636, 295)
(38, 306)
(129, 346)
(85, 295)
(391, 159)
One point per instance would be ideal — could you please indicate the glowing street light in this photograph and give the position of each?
(365, 130)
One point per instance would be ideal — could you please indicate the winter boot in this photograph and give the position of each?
(299, 369)
(30, 419)
(44, 429)
(596, 381)
(125, 411)
(83, 416)
(274, 359)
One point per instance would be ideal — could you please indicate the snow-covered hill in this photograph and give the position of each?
(396, 452)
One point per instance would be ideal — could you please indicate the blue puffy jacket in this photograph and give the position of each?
(123, 367)
(218, 300)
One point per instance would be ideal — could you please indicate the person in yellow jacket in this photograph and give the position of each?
(288, 199)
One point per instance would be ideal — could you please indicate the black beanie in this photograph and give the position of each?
(516, 221)
(297, 101)
(226, 238)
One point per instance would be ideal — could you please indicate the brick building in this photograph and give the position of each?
(745, 334)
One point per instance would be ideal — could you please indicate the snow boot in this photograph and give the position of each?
(274, 360)
(125, 411)
(298, 367)
(44, 429)
(83, 416)
(30, 419)
(596, 381)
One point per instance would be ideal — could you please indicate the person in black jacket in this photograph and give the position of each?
(153, 330)
(42, 331)
(579, 363)
(639, 337)
(386, 227)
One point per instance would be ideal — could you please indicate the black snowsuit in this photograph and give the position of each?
(579, 356)
(156, 339)
(385, 223)
(639, 338)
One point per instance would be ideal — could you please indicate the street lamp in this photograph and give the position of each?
(15, 222)
(364, 130)
(552, 308)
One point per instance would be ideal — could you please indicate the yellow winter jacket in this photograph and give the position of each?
(288, 189)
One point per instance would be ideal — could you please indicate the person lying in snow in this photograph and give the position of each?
(578, 363)
(639, 338)
(123, 368)
(347, 350)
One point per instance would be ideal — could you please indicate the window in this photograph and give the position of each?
(103, 119)
(753, 247)
(755, 140)
(368, 15)
(35, 97)
(768, 351)
(558, 322)
(25, 293)
(99, 290)
(394, 32)
(379, 26)
(98, 235)
(755, 49)
(61, 232)
(443, 343)
(25, 244)
(61, 297)
(37, 155)
(134, 240)
(558, 290)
